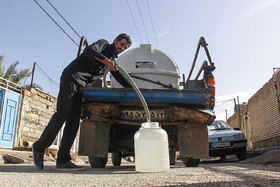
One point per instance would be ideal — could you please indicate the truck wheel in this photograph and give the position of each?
(97, 162)
(223, 157)
(172, 157)
(242, 155)
(190, 162)
(116, 159)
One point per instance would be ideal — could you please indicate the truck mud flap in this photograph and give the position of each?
(94, 139)
(193, 141)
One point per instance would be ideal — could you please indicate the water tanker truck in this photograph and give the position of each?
(111, 114)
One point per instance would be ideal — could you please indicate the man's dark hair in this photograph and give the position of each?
(124, 36)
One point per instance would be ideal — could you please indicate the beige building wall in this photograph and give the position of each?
(260, 118)
(37, 107)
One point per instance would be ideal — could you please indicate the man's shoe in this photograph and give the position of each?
(38, 158)
(69, 166)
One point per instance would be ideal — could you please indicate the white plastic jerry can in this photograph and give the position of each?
(151, 148)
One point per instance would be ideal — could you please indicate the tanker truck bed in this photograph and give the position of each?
(152, 96)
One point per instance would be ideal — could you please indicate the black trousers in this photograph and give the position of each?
(69, 103)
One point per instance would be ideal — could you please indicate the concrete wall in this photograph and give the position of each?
(37, 107)
(260, 118)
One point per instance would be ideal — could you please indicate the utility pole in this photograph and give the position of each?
(235, 107)
(239, 115)
(226, 115)
(33, 70)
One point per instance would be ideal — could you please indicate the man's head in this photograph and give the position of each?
(122, 42)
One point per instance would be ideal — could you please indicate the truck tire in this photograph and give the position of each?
(97, 162)
(190, 162)
(116, 159)
(172, 157)
(223, 157)
(242, 155)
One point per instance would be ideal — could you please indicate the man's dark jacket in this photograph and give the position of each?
(85, 69)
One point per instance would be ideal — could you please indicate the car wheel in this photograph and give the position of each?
(116, 159)
(97, 162)
(242, 155)
(189, 162)
(172, 157)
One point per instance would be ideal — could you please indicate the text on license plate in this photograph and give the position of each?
(222, 144)
(141, 114)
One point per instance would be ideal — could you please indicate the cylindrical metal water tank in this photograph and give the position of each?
(150, 68)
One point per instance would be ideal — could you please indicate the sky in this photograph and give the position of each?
(242, 36)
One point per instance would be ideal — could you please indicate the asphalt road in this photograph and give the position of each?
(209, 173)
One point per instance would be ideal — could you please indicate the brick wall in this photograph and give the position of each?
(260, 119)
(37, 107)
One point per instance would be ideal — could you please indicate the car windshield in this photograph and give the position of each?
(219, 125)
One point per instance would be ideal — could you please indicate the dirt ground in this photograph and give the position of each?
(261, 168)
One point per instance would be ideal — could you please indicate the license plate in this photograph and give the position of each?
(222, 144)
(141, 114)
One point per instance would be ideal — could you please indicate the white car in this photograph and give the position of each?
(224, 140)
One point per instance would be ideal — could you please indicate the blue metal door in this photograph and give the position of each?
(9, 119)
(1, 101)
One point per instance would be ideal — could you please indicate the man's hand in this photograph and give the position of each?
(109, 63)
